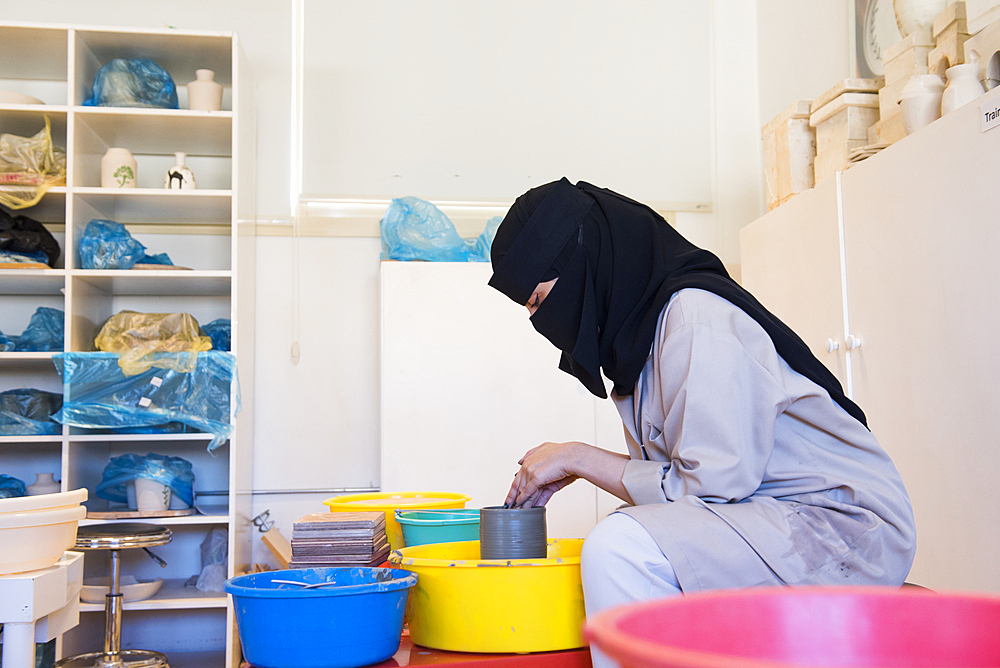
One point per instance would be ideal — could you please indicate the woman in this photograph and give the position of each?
(747, 465)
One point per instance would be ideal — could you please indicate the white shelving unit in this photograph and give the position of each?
(209, 230)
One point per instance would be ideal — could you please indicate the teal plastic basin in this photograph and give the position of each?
(423, 527)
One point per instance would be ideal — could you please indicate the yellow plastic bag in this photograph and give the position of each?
(140, 339)
(30, 166)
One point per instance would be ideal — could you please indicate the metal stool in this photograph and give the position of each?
(117, 537)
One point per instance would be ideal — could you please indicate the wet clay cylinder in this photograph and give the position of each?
(512, 533)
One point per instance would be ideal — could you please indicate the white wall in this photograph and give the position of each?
(311, 411)
(803, 50)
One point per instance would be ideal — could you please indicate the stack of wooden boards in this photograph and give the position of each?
(339, 539)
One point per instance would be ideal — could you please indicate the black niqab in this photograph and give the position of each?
(618, 263)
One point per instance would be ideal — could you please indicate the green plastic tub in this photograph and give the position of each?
(423, 527)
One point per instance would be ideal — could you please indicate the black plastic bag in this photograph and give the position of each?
(27, 236)
(28, 412)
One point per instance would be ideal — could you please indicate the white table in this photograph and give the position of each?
(36, 606)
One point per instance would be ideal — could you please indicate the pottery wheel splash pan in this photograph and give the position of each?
(462, 603)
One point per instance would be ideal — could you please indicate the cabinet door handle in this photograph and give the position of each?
(853, 342)
(832, 346)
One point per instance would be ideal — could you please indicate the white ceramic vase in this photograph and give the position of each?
(180, 176)
(914, 14)
(44, 484)
(204, 93)
(920, 101)
(963, 87)
(118, 169)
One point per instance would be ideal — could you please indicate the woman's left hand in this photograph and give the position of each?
(544, 470)
(551, 466)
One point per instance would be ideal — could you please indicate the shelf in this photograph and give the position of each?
(185, 520)
(157, 282)
(32, 282)
(111, 438)
(160, 205)
(53, 438)
(173, 595)
(162, 131)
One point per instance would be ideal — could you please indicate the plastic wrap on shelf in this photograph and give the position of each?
(11, 487)
(26, 237)
(220, 331)
(99, 395)
(31, 165)
(7, 344)
(106, 244)
(174, 472)
(214, 555)
(44, 333)
(137, 82)
(28, 412)
(414, 229)
(140, 339)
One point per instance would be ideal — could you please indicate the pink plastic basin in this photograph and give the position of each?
(777, 627)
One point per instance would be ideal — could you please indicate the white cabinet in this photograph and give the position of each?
(209, 230)
(914, 230)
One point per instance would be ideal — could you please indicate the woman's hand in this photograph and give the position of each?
(551, 466)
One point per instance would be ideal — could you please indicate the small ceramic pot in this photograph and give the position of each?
(45, 483)
(512, 533)
(963, 87)
(180, 177)
(118, 169)
(151, 495)
(204, 93)
(920, 101)
(914, 14)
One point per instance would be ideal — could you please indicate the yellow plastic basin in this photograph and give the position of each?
(390, 501)
(466, 604)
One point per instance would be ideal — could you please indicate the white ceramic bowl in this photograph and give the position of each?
(36, 539)
(10, 97)
(43, 501)
(95, 589)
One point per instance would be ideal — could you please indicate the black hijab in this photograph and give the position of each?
(618, 263)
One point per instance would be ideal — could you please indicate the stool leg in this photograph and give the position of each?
(19, 645)
(113, 613)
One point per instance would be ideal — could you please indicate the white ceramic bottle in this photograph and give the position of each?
(118, 169)
(920, 101)
(44, 484)
(180, 176)
(963, 87)
(204, 93)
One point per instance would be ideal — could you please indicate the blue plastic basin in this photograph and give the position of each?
(422, 527)
(356, 621)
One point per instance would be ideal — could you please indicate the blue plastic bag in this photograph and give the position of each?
(100, 396)
(106, 244)
(133, 83)
(28, 412)
(7, 344)
(174, 472)
(44, 332)
(220, 332)
(413, 229)
(484, 243)
(11, 487)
